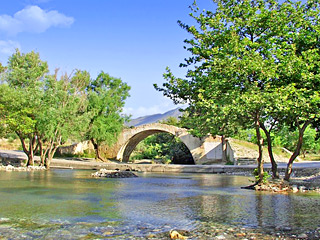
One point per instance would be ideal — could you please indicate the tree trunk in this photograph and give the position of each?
(31, 150)
(260, 148)
(28, 152)
(274, 166)
(296, 152)
(42, 152)
(51, 150)
(23, 143)
(48, 161)
(96, 149)
(304, 153)
(50, 156)
(224, 148)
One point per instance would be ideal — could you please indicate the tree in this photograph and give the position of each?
(287, 136)
(46, 110)
(106, 96)
(299, 72)
(21, 98)
(224, 87)
(251, 65)
(62, 115)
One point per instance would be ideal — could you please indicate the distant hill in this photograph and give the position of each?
(154, 118)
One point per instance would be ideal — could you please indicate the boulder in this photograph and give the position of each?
(113, 174)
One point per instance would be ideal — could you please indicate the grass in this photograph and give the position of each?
(246, 144)
(312, 157)
(12, 144)
(280, 152)
(85, 154)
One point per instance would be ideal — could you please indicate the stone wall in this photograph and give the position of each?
(76, 148)
(6, 159)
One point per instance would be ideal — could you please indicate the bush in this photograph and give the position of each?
(265, 178)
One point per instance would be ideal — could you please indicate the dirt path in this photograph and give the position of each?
(247, 150)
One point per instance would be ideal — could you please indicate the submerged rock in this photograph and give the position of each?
(302, 236)
(176, 235)
(113, 174)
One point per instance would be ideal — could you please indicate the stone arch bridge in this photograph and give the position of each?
(204, 150)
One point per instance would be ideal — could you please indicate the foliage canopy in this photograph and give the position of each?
(45, 110)
(253, 63)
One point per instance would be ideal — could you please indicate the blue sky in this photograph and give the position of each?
(133, 40)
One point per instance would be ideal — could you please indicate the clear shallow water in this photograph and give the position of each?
(69, 204)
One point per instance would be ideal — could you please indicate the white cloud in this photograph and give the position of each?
(33, 19)
(7, 48)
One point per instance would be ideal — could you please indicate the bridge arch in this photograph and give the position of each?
(206, 150)
(142, 132)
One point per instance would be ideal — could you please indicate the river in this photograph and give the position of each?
(69, 204)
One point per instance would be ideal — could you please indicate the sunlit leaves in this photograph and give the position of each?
(250, 59)
(106, 98)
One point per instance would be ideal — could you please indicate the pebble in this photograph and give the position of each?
(240, 235)
(302, 236)
(284, 229)
(220, 237)
(152, 236)
(107, 233)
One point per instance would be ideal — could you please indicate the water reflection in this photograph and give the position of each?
(182, 201)
(152, 201)
(55, 195)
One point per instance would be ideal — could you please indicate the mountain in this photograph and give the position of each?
(154, 118)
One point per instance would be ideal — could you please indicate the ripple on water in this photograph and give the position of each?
(71, 205)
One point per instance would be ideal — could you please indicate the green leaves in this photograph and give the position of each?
(26, 70)
(21, 98)
(106, 98)
(250, 59)
(55, 108)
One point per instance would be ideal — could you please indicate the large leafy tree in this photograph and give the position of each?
(253, 63)
(21, 98)
(106, 98)
(62, 115)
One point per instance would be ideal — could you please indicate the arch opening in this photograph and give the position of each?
(158, 145)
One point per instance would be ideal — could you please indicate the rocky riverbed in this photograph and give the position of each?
(221, 232)
(214, 231)
(109, 230)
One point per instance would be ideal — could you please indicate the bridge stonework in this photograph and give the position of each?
(204, 150)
